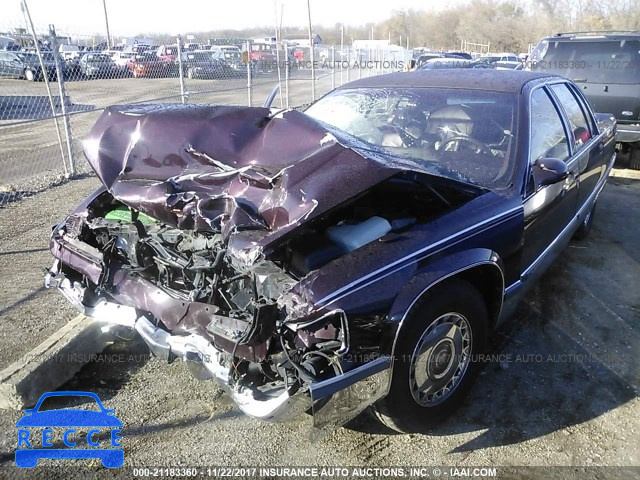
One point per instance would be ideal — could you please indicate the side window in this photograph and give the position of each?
(548, 138)
(577, 120)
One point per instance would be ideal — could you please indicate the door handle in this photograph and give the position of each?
(570, 180)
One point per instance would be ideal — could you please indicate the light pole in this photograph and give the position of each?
(313, 68)
(106, 21)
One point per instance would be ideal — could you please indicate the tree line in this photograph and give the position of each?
(509, 25)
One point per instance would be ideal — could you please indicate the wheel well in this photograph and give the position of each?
(489, 281)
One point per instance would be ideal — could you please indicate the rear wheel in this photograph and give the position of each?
(585, 226)
(433, 360)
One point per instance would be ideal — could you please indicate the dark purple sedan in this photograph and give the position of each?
(358, 253)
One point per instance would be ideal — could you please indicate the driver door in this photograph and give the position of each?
(547, 209)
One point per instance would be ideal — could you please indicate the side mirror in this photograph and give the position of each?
(549, 171)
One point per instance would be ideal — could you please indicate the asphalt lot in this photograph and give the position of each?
(565, 393)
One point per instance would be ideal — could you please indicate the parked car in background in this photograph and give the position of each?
(202, 64)
(9, 44)
(147, 65)
(460, 54)
(435, 55)
(606, 66)
(440, 63)
(121, 60)
(191, 47)
(11, 65)
(97, 65)
(167, 53)
(502, 61)
(231, 55)
(365, 263)
(263, 56)
(69, 52)
(27, 65)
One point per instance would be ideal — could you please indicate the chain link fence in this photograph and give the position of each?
(52, 90)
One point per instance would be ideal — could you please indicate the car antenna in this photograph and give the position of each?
(267, 104)
(272, 96)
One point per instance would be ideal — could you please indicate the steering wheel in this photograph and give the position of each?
(478, 147)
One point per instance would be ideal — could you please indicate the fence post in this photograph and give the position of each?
(63, 98)
(333, 68)
(286, 75)
(249, 73)
(180, 69)
(25, 9)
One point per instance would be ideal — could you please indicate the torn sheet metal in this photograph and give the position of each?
(225, 169)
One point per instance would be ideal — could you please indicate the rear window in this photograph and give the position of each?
(590, 61)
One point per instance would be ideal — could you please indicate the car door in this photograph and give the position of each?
(589, 146)
(4, 67)
(548, 209)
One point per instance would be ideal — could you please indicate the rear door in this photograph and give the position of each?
(588, 146)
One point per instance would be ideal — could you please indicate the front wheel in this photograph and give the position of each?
(433, 360)
(29, 75)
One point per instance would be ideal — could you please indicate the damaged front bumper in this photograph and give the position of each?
(332, 401)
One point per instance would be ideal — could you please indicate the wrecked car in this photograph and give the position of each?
(356, 253)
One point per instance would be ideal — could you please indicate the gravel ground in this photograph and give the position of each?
(577, 404)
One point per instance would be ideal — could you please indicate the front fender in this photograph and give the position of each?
(459, 263)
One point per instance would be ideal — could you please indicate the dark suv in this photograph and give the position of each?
(606, 67)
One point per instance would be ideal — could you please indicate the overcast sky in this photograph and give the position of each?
(127, 17)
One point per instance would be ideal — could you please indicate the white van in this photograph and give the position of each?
(69, 52)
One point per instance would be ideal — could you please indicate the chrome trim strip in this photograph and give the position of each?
(349, 288)
(335, 384)
(515, 286)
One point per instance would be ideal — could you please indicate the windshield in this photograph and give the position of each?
(461, 134)
(598, 61)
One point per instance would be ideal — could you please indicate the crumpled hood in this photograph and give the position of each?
(224, 169)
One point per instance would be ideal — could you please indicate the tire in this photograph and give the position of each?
(452, 310)
(29, 75)
(585, 226)
(634, 159)
(190, 73)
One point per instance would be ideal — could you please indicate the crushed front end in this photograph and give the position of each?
(232, 238)
(229, 315)
(189, 243)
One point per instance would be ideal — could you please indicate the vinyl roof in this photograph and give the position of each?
(510, 81)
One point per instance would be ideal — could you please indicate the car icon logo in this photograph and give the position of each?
(69, 419)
